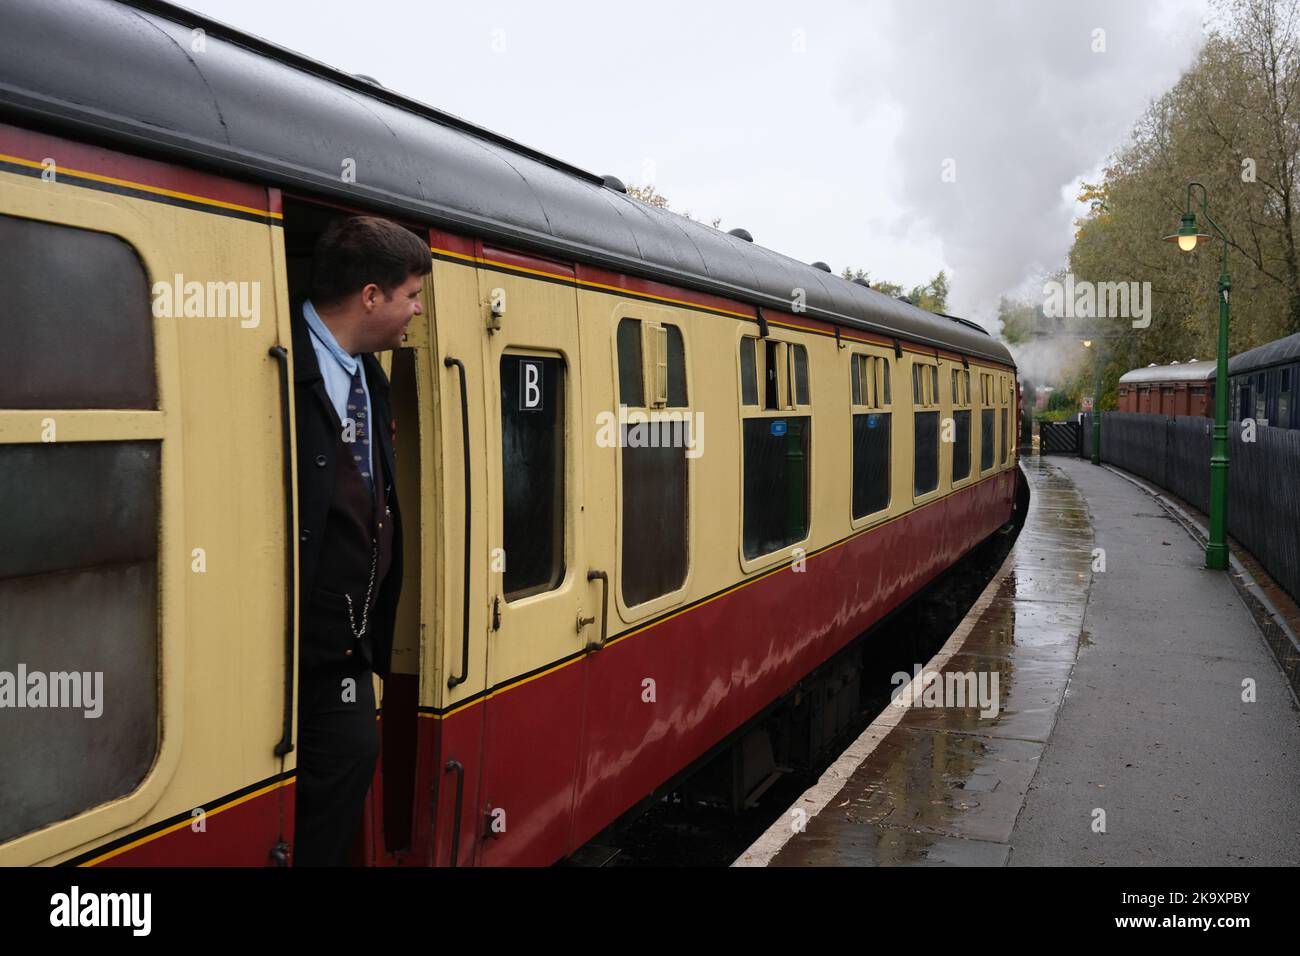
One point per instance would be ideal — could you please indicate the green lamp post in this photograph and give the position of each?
(1096, 398)
(1187, 237)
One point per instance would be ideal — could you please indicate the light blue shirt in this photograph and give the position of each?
(336, 366)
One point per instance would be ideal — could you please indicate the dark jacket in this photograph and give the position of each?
(318, 456)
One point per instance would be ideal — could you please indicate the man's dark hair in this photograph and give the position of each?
(351, 253)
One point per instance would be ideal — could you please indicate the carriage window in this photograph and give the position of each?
(961, 450)
(774, 369)
(748, 378)
(925, 418)
(79, 596)
(1005, 457)
(654, 444)
(987, 422)
(1284, 400)
(676, 368)
(776, 482)
(869, 385)
(103, 309)
(777, 451)
(532, 480)
(800, 374)
(630, 390)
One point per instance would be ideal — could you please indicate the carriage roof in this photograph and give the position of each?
(124, 72)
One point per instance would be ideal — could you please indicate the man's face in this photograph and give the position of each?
(386, 319)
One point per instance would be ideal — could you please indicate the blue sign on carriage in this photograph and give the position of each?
(778, 427)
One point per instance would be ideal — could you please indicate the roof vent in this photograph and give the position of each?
(1174, 362)
(614, 183)
(862, 282)
(1151, 365)
(369, 79)
(821, 265)
(740, 234)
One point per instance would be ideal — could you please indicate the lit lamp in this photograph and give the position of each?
(1187, 237)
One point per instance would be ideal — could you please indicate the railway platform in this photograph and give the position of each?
(1120, 708)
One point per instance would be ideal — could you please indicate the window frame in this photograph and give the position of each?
(120, 218)
(569, 404)
(1007, 421)
(745, 412)
(650, 316)
(1285, 397)
(961, 373)
(988, 402)
(927, 398)
(879, 405)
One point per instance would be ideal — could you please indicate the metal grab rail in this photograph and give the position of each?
(285, 746)
(456, 679)
(603, 578)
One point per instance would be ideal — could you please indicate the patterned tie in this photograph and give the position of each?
(358, 411)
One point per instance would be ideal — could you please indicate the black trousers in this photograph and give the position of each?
(338, 744)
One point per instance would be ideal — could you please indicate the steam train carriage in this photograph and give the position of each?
(583, 617)
(1262, 384)
(1179, 388)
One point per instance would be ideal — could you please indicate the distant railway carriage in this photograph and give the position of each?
(586, 614)
(1263, 383)
(1180, 388)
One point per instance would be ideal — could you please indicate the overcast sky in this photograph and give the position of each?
(825, 129)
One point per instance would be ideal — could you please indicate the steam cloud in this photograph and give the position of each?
(1014, 93)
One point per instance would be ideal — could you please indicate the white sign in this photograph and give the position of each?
(530, 385)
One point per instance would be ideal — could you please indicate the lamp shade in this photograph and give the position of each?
(1187, 237)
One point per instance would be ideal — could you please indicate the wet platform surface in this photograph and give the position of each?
(935, 783)
(944, 785)
(1178, 725)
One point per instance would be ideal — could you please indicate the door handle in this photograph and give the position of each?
(603, 578)
(285, 744)
(456, 679)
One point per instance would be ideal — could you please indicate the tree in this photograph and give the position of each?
(1020, 320)
(648, 195)
(932, 296)
(652, 197)
(1261, 130)
(1232, 122)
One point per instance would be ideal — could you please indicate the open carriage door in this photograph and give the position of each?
(413, 381)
